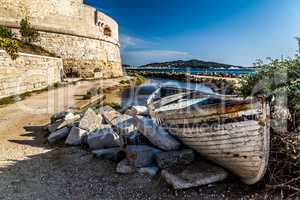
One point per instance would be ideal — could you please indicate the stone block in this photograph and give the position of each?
(156, 134)
(58, 135)
(125, 167)
(76, 136)
(104, 137)
(141, 155)
(90, 121)
(197, 174)
(175, 158)
(137, 110)
(150, 171)
(125, 124)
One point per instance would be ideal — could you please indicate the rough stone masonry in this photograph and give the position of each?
(86, 40)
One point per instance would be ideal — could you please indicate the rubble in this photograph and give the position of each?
(197, 174)
(58, 135)
(90, 121)
(114, 154)
(76, 136)
(104, 137)
(173, 158)
(157, 135)
(137, 110)
(141, 155)
(124, 167)
(127, 149)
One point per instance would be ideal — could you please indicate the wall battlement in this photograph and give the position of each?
(87, 40)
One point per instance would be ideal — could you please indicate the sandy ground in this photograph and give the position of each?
(31, 169)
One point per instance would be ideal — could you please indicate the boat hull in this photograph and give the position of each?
(235, 136)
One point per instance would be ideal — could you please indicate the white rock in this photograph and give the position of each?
(150, 171)
(58, 135)
(69, 116)
(62, 123)
(90, 121)
(124, 167)
(197, 174)
(156, 135)
(76, 136)
(137, 110)
(104, 137)
(59, 116)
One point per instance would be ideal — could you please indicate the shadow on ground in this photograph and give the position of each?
(72, 173)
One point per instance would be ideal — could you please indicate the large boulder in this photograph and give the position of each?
(90, 121)
(197, 174)
(58, 135)
(104, 137)
(141, 155)
(156, 134)
(76, 136)
(175, 158)
(114, 154)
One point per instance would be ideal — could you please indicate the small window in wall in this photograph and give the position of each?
(107, 31)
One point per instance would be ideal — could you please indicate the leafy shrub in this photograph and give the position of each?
(279, 78)
(29, 34)
(5, 32)
(11, 46)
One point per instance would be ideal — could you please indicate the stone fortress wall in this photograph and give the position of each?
(27, 73)
(86, 40)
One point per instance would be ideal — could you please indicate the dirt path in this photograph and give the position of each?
(31, 169)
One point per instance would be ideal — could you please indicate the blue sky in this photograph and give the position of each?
(229, 31)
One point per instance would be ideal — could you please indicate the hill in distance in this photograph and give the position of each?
(190, 64)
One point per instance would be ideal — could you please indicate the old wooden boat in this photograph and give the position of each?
(230, 131)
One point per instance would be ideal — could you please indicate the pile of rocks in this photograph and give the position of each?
(136, 143)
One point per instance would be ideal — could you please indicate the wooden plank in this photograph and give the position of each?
(212, 128)
(238, 132)
(227, 144)
(209, 118)
(201, 111)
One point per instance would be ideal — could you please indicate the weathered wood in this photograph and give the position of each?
(240, 146)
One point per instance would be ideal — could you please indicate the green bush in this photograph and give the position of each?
(278, 78)
(28, 34)
(11, 46)
(5, 32)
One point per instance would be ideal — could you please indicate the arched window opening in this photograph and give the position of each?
(107, 31)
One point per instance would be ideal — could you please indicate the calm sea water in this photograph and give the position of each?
(138, 95)
(243, 71)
